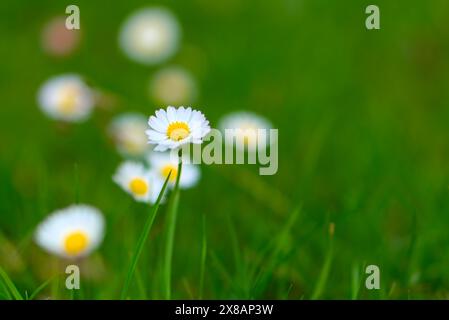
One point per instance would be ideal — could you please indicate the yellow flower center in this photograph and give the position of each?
(166, 170)
(138, 186)
(67, 103)
(75, 243)
(131, 146)
(178, 130)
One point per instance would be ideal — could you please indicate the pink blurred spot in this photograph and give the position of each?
(57, 40)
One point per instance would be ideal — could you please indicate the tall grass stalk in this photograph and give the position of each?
(355, 281)
(170, 235)
(324, 275)
(268, 264)
(9, 285)
(141, 241)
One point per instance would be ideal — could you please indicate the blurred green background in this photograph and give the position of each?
(363, 144)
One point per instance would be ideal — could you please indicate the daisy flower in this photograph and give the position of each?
(150, 35)
(248, 123)
(161, 164)
(128, 132)
(173, 86)
(172, 128)
(138, 181)
(72, 232)
(66, 98)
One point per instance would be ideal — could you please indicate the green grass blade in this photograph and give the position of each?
(355, 281)
(267, 266)
(40, 288)
(322, 280)
(242, 280)
(10, 285)
(203, 258)
(188, 289)
(141, 241)
(4, 292)
(4, 296)
(140, 285)
(221, 269)
(170, 235)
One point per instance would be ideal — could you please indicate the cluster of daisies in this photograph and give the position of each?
(149, 36)
(77, 230)
(168, 129)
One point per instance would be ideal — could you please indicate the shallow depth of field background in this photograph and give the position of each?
(364, 144)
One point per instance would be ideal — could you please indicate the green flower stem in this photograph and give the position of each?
(141, 242)
(171, 222)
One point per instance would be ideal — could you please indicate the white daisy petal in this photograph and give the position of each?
(171, 114)
(161, 148)
(162, 116)
(154, 135)
(156, 125)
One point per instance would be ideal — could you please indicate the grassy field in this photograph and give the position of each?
(363, 150)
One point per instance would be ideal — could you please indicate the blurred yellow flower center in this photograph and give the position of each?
(131, 146)
(68, 101)
(166, 170)
(75, 243)
(178, 130)
(138, 186)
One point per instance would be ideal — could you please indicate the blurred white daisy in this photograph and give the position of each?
(172, 128)
(161, 164)
(173, 86)
(150, 35)
(248, 123)
(128, 132)
(72, 232)
(138, 181)
(66, 98)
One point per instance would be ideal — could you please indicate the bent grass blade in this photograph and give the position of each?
(9, 285)
(324, 275)
(141, 241)
(40, 288)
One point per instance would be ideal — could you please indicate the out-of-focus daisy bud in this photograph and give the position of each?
(72, 232)
(150, 35)
(66, 98)
(245, 126)
(173, 86)
(128, 132)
